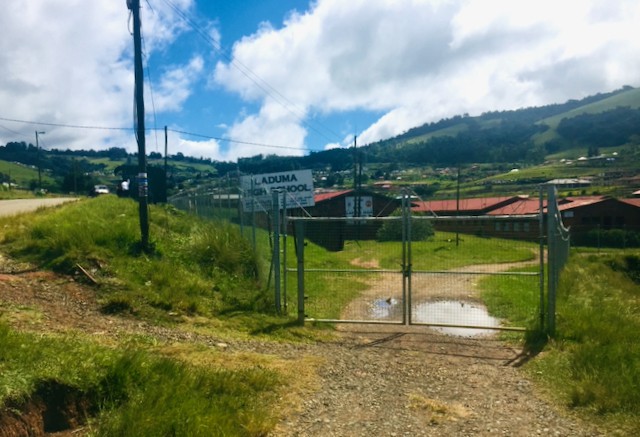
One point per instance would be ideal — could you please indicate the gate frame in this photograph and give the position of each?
(407, 272)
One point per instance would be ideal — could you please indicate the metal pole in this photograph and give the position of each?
(253, 214)
(299, 225)
(405, 296)
(276, 247)
(541, 236)
(285, 224)
(552, 281)
(409, 256)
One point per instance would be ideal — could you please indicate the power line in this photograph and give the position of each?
(193, 134)
(268, 89)
(71, 126)
(272, 146)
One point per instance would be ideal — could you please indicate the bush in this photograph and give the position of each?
(618, 238)
(391, 230)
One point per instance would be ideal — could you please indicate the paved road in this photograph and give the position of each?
(17, 206)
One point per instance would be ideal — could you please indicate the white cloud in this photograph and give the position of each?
(274, 126)
(421, 60)
(198, 149)
(69, 62)
(176, 85)
(413, 61)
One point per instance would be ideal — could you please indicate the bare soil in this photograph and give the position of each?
(375, 380)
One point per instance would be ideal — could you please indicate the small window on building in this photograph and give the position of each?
(516, 227)
(526, 227)
(498, 226)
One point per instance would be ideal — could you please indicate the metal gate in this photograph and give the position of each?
(449, 281)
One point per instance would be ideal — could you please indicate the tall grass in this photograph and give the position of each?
(514, 299)
(595, 360)
(140, 394)
(332, 291)
(197, 267)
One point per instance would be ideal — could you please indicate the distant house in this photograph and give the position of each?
(571, 183)
(583, 214)
(511, 217)
(345, 204)
(518, 216)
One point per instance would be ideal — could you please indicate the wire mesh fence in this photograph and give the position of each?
(403, 268)
(439, 272)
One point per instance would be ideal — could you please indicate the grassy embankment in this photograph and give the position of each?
(205, 278)
(438, 253)
(592, 365)
(200, 276)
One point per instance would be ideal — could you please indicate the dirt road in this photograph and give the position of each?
(385, 381)
(18, 206)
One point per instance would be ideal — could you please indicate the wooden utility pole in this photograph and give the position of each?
(38, 162)
(143, 182)
(166, 167)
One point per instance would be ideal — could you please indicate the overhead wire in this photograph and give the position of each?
(267, 88)
(153, 104)
(183, 132)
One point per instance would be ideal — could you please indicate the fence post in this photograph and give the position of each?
(552, 255)
(276, 247)
(299, 227)
(541, 236)
(253, 214)
(285, 224)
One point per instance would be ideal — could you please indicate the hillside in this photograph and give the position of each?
(493, 143)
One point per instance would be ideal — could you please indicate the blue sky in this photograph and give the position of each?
(231, 78)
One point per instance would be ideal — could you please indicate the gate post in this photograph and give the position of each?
(541, 235)
(552, 261)
(276, 247)
(299, 228)
(406, 258)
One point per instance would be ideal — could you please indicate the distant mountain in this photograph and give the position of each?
(524, 136)
(602, 120)
(518, 136)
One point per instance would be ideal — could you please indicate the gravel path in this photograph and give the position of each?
(374, 381)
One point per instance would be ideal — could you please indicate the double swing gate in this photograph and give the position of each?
(449, 280)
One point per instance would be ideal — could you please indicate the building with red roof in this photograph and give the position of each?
(519, 216)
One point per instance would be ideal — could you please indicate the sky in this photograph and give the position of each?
(233, 79)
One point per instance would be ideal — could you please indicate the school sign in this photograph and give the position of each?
(296, 188)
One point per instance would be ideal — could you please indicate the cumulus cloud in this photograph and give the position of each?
(296, 83)
(69, 62)
(176, 85)
(421, 60)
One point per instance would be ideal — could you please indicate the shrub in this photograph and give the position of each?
(391, 230)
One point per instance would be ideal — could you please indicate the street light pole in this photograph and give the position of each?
(38, 161)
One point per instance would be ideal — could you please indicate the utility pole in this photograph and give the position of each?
(458, 206)
(166, 171)
(143, 183)
(38, 161)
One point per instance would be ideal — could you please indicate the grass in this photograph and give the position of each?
(200, 275)
(593, 364)
(208, 278)
(330, 292)
(22, 175)
(196, 267)
(138, 393)
(514, 299)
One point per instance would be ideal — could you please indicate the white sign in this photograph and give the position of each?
(296, 186)
(366, 206)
